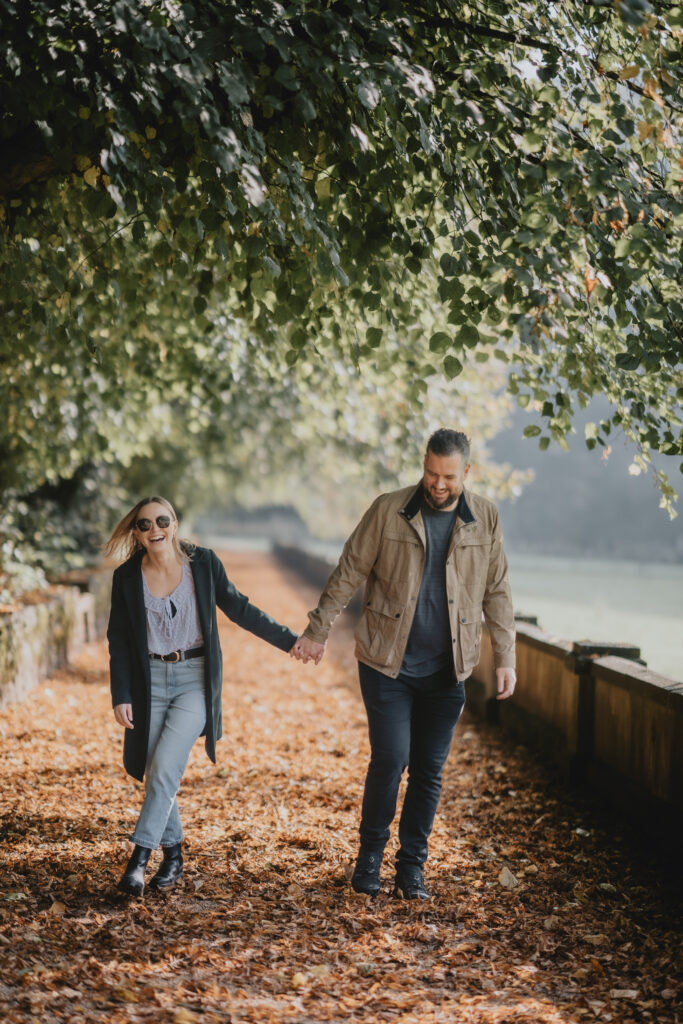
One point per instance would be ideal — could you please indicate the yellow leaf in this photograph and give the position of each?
(630, 71)
(126, 995)
(150, 132)
(91, 175)
(299, 980)
(320, 970)
(650, 90)
(645, 130)
(323, 186)
(82, 162)
(183, 1016)
(84, 113)
(57, 909)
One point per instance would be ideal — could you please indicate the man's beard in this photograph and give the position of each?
(448, 499)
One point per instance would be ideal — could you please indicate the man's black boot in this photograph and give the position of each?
(170, 870)
(133, 880)
(365, 877)
(409, 884)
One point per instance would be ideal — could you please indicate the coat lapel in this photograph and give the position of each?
(135, 602)
(201, 575)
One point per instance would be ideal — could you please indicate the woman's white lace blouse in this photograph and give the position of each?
(173, 621)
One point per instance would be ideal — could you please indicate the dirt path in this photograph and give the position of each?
(265, 928)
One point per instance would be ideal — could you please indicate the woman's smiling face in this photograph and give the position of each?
(157, 537)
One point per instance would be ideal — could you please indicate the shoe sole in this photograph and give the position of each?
(367, 892)
(400, 894)
(158, 887)
(129, 891)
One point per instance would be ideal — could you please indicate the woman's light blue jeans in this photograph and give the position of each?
(177, 719)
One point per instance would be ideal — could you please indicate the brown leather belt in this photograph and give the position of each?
(194, 652)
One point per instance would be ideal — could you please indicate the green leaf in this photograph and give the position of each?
(340, 276)
(270, 266)
(452, 367)
(628, 360)
(368, 94)
(439, 341)
(531, 142)
(468, 335)
(533, 430)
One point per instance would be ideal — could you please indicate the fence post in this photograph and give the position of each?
(580, 661)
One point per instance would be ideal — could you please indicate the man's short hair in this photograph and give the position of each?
(449, 442)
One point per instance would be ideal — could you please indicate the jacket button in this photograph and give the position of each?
(463, 618)
(398, 615)
(450, 600)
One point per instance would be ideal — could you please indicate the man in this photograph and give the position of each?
(432, 560)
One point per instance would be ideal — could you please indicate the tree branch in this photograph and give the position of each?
(488, 32)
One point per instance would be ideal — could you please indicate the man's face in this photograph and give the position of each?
(444, 479)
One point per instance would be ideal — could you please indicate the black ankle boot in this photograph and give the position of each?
(409, 884)
(365, 877)
(170, 870)
(133, 881)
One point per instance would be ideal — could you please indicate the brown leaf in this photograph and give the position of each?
(507, 879)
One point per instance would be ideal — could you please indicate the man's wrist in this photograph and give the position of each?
(317, 638)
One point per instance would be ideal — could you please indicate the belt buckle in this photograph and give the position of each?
(172, 657)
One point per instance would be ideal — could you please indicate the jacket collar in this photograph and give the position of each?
(414, 504)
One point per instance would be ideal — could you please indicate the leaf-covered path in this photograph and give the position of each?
(265, 927)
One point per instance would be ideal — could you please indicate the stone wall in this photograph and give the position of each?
(39, 637)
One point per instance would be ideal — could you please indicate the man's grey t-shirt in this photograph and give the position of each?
(430, 646)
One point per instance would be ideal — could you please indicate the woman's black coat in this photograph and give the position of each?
(129, 654)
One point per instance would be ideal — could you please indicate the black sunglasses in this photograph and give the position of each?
(143, 525)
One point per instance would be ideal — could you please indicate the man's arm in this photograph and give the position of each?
(357, 559)
(499, 615)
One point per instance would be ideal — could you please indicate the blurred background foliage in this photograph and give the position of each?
(261, 249)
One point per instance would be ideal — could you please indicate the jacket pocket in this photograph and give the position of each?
(379, 626)
(469, 633)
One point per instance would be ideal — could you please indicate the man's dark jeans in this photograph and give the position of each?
(411, 724)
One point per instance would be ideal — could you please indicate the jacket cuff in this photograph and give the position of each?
(314, 635)
(505, 661)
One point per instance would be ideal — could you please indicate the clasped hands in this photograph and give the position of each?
(307, 650)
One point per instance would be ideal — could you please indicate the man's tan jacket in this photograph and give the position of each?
(387, 551)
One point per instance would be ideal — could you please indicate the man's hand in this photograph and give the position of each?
(307, 650)
(506, 679)
(123, 713)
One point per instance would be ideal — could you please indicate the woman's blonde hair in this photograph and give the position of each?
(124, 543)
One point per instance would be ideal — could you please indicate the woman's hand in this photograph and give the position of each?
(123, 713)
(307, 650)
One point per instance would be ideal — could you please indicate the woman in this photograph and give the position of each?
(166, 669)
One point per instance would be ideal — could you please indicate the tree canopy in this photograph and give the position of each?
(401, 188)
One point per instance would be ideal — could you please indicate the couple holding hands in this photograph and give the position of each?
(432, 560)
